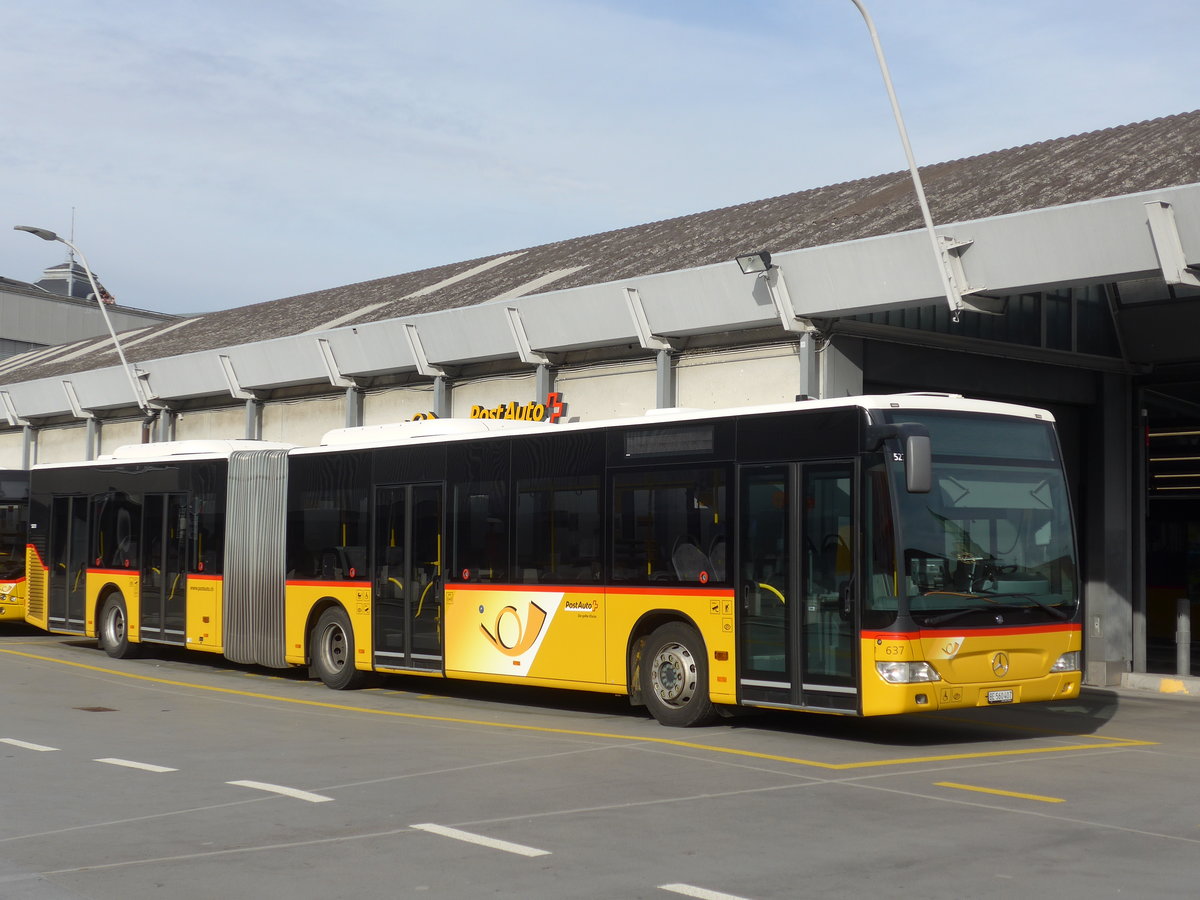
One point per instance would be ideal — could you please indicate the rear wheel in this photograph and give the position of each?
(332, 644)
(674, 676)
(112, 629)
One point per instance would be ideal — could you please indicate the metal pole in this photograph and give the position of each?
(952, 295)
(133, 382)
(1183, 636)
(47, 235)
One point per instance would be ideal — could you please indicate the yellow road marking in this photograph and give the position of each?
(1115, 743)
(983, 790)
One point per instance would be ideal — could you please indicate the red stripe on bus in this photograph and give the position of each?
(592, 589)
(360, 584)
(968, 632)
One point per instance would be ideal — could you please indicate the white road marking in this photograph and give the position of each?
(25, 745)
(280, 789)
(688, 890)
(132, 764)
(482, 841)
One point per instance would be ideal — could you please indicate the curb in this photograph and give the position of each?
(1162, 684)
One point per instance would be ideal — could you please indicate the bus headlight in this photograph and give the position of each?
(906, 672)
(1068, 662)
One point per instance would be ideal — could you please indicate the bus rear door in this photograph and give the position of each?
(68, 563)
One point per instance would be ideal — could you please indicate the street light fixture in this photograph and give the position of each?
(47, 235)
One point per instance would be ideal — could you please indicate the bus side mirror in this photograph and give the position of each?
(918, 463)
(916, 451)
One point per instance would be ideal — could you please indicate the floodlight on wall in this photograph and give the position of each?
(138, 394)
(760, 265)
(754, 263)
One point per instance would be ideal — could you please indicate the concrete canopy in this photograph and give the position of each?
(1072, 211)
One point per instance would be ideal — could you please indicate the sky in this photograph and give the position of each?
(214, 154)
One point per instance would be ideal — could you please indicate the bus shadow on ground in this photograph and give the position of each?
(1079, 717)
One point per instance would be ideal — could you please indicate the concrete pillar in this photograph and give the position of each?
(28, 446)
(1108, 575)
(91, 438)
(354, 406)
(443, 400)
(543, 382)
(664, 379)
(840, 367)
(809, 387)
(166, 425)
(253, 419)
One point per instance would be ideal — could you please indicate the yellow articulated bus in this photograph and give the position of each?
(864, 556)
(14, 522)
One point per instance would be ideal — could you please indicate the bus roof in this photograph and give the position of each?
(448, 429)
(168, 450)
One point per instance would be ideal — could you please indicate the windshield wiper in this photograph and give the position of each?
(959, 613)
(1054, 610)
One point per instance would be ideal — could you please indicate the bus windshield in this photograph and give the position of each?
(992, 542)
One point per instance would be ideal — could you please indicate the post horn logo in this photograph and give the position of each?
(510, 635)
(1000, 664)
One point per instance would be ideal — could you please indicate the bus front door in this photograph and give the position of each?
(796, 587)
(408, 577)
(163, 594)
(68, 562)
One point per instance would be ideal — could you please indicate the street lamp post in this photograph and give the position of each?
(47, 235)
(953, 295)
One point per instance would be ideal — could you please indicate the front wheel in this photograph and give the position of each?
(332, 645)
(112, 629)
(674, 677)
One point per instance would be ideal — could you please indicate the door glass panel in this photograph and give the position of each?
(764, 583)
(151, 593)
(828, 549)
(425, 570)
(68, 560)
(174, 563)
(407, 584)
(391, 572)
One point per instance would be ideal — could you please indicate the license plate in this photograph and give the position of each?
(1000, 696)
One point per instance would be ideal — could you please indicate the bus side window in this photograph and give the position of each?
(663, 520)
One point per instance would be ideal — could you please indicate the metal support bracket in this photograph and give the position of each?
(637, 309)
(1164, 233)
(10, 411)
(77, 409)
(968, 295)
(781, 299)
(235, 387)
(424, 366)
(516, 325)
(336, 378)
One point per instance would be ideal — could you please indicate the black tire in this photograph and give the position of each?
(332, 648)
(112, 629)
(674, 677)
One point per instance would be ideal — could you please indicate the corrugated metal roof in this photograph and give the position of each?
(1112, 162)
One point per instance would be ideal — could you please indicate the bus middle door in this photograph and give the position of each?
(407, 579)
(163, 593)
(796, 586)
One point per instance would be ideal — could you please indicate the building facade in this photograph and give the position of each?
(1077, 260)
